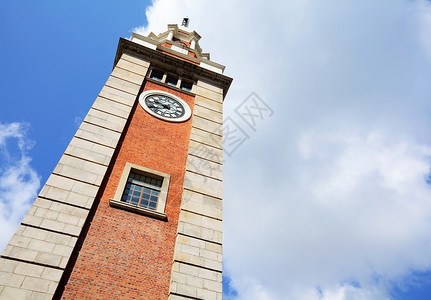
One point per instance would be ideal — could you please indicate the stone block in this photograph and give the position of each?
(206, 294)
(117, 95)
(60, 182)
(80, 200)
(203, 184)
(72, 229)
(199, 220)
(41, 246)
(209, 235)
(69, 161)
(44, 203)
(205, 167)
(54, 193)
(211, 255)
(62, 196)
(68, 219)
(213, 264)
(206, 138)
(7, 250)
(179, 277)
(103, 150)
(190, 196)
(23, 253)
(128, 76)
(77, 164)
(132, 67)
(105, 120)
(90, 146)
(200, 91)
(206, 152)
(78, 174)
(134, 59)
(188, 270)
(28, 269)
(73, 241)
(187, 249)
(85, 189)
(195, 282)
(41, 296)
(186, 290)
(11, 279)
(197, 243)
(20, 241)
(7, 265)
(210, 86)
(32, 220)
(48, 259)
(182, 239)
(83, 144)
(123, 85)
(208, 114)
(95, 168)
(202, 209)
(211, 223)
(188, 258)
(210, 104)
(175, 297)
(189, 229)
(98, 135)
(112, 107)
(32, 210)
(36, 284)
(52, 225)
(46, 213)
(52, 274)
(63, 250)
(209, 274)
(58, 238)
(12, 293)
(64, 261)
(69, 210)
(207, 125)
(90, 155)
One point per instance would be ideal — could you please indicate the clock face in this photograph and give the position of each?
(165, 106)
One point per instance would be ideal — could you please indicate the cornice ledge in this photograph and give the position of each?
(154, 56)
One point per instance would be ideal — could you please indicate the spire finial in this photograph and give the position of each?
(185, 22)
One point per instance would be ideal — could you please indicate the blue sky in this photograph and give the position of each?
(339, 207)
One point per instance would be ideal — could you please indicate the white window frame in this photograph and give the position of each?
(159, 213)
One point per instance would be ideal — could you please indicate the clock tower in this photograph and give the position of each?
(133, 209)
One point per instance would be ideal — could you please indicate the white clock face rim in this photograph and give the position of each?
(187, 111)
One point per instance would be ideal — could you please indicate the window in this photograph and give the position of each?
(157, 75)
(186, 85)
(142, 190)
(171, 80)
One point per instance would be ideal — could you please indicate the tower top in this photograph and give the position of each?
(180, 42)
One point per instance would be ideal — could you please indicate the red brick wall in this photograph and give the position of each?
(126, 255)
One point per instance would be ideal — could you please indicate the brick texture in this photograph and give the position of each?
(127, 255)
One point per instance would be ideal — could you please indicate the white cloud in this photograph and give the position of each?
(19, 182)
(328, 199)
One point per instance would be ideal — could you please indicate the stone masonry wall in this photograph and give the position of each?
(35, 258)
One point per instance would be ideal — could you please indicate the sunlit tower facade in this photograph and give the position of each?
(133, 209)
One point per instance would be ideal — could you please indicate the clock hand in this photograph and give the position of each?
(164, 105)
